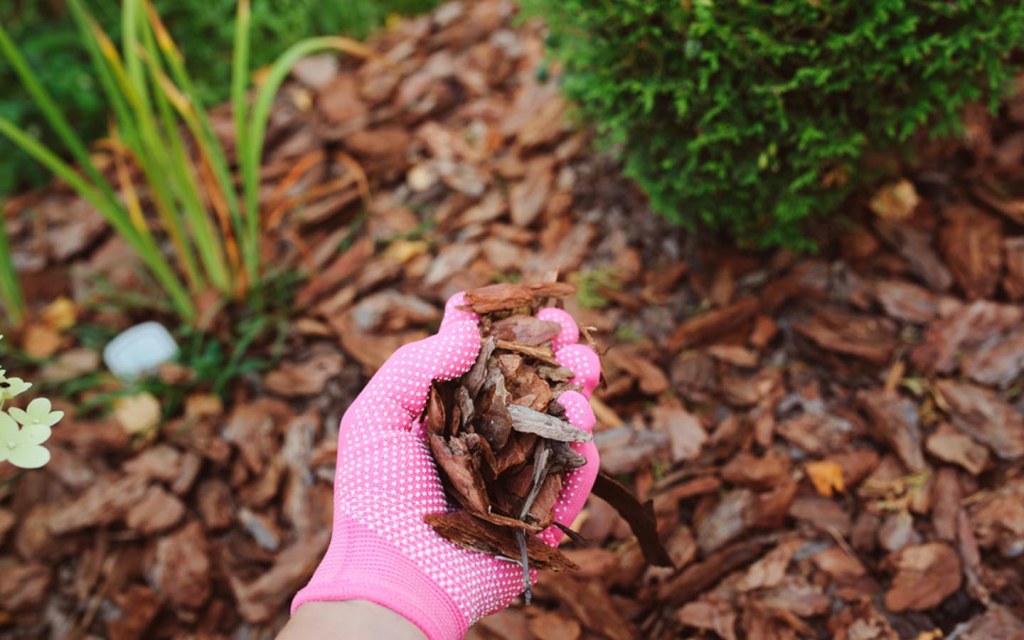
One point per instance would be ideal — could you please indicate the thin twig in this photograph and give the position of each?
(540, 474)
(525, 561)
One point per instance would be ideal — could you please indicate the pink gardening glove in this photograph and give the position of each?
(381, 549)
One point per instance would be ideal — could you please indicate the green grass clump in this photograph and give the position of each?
(50, 42)
(750, 117)
(209, 214)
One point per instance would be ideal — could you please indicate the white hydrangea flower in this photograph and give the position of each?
(23, 447)
(38, 414)
(11, 387)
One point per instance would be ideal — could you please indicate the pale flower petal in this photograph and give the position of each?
(29, 456)
(38, 414)
(10, 437)
(53, 418)
(34, 434)
(12, 387)
(8, 430)
(21, 447)
(39, 407)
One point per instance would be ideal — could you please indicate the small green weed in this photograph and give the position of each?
(589, 285)
(626, 332)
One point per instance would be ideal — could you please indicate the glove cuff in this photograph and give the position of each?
(362, 565)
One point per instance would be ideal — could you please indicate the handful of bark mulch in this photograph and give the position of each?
(501, 439)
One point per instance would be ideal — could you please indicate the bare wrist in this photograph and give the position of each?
(348, 619)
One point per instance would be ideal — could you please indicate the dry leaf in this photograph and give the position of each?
(895, 201)
(826, 476)
(61, 314)
(139, 413)
(40, 341)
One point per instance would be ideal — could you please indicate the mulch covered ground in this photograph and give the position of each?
(833, 443)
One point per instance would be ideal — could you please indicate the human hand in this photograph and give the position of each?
(386, 481)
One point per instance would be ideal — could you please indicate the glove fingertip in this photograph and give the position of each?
(576, 487)
(578, 410)
(457, 348)
(454, 313)
(584, 364)
(570, 332)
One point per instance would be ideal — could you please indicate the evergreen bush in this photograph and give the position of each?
(750, 116)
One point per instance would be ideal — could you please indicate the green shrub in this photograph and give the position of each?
(48, 38)
(750, 116)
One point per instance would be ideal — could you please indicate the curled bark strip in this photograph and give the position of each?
(470, 532)
(639, 516)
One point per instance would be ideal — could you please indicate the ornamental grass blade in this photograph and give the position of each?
(10, 289)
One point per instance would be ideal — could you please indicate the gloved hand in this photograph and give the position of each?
(381, 550)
